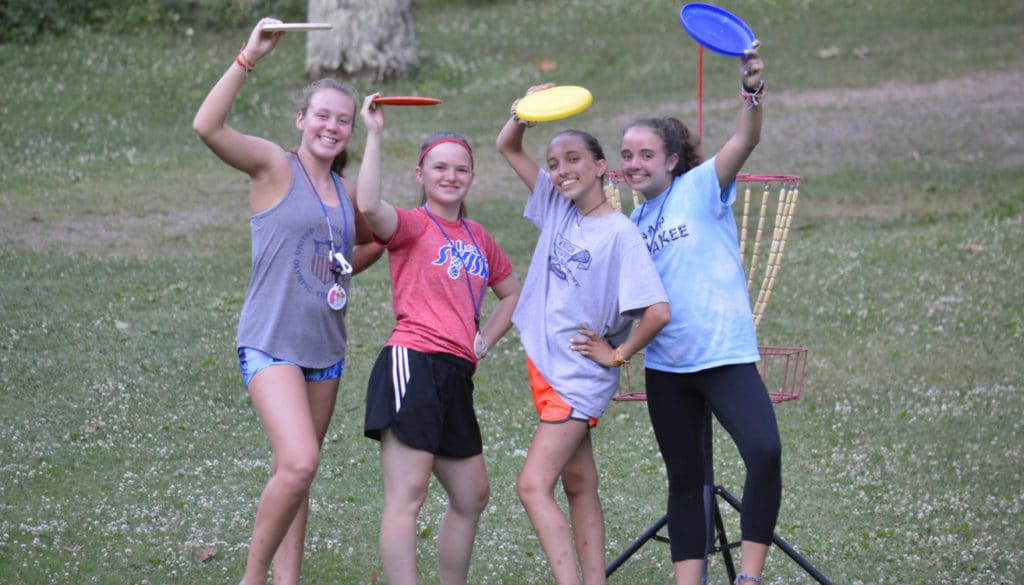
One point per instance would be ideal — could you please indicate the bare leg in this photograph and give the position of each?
(406, 473)
(579, 479)
(689, 572)
(552, 447)
(752, 557)
(465, 480)
(279, 395)
(288, 559)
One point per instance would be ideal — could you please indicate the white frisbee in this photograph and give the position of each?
(298, 26)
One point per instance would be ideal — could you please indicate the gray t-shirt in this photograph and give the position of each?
(586, 272)
(286, 313)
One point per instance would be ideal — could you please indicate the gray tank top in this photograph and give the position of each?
(286, 313)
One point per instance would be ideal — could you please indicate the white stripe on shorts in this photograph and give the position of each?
(399, 373)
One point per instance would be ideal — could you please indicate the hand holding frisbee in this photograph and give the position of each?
(553, 103)
(717, 29)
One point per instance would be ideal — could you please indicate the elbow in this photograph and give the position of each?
(202, 130)
(513, 298)
(502, 147)
(662, 314)
(366, 209)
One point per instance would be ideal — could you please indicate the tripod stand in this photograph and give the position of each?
(785, 385)
(718, 541)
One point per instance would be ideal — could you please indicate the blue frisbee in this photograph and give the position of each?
(719, 30)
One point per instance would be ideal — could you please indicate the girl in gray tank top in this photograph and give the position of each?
(308, 239)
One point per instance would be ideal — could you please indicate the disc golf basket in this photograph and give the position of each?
(764, 217)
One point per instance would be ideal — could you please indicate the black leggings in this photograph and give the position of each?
(679, 406)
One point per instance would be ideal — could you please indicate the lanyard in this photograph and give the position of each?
(661, 209)
(336, 264)
(477, 302)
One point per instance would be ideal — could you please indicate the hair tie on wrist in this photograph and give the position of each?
(244, 61)
(517, 119)
(618, 360)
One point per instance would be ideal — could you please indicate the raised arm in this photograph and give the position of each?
(510, 145)
(249, 154)
(748, 130)
(380, 215)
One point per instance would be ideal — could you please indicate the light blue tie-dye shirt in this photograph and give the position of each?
(691, 235)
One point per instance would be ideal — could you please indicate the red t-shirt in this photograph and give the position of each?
(429, 259)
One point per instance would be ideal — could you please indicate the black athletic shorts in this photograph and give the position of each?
(426, 399)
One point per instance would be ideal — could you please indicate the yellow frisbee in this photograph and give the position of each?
(554, 103)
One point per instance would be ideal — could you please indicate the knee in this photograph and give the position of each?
(575, 483)
(404, 502)
(685, 479)
(765, 459)
(473, 502)
(298, 472)
(529, 489)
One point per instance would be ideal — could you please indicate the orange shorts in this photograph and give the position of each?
(550, 406)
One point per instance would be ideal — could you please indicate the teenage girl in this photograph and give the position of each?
(589, 279)
(420, 392)
(307, 241)
(704, 359)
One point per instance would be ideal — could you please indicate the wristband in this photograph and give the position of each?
(244, 61)
(753, 97)
(619, 361)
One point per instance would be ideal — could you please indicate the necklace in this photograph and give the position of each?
(580, 216)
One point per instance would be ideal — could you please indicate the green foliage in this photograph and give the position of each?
(24, 21)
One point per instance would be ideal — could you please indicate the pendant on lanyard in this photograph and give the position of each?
(337, 297)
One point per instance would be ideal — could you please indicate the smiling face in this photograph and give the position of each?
(446, 174)
(645, 165)
(575, 170)
(326, 123)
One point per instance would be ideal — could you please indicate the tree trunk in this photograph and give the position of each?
(371, 39)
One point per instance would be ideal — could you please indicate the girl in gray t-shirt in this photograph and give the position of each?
(590, 277)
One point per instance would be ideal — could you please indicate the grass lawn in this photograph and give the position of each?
(129, 452)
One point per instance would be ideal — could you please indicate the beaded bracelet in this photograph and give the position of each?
(244, 61)
(753, 97)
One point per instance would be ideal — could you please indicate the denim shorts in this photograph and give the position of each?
(251, 361)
